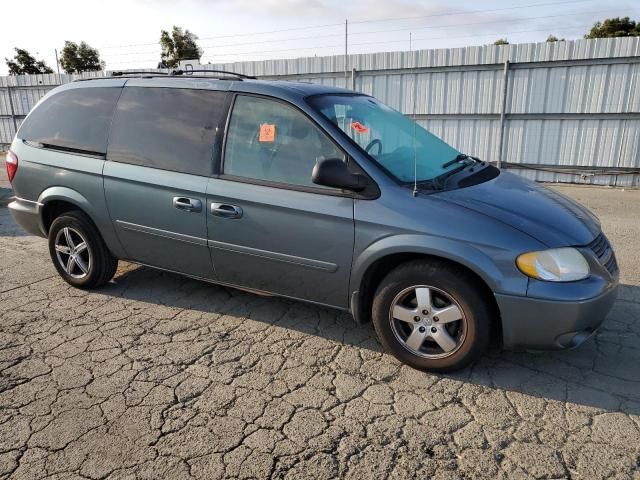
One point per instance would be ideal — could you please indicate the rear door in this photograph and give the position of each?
(270, 228)
(160, 156)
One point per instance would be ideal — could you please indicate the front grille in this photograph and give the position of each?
(602, 248)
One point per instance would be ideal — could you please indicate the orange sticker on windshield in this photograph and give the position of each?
(267, 133)
(358, 127)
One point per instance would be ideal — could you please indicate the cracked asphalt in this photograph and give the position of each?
(160, 376)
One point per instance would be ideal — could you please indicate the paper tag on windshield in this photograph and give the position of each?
(358, 127)
(267, 133)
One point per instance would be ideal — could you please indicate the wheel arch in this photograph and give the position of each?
(55, 201)
(382, 257)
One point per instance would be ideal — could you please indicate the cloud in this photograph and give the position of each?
(279, 8)
(433, 13)
(356, 9)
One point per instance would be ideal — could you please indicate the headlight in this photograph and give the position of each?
(555, 265)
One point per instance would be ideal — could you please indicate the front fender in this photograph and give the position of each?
(494, 265)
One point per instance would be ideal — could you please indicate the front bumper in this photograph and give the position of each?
(27, 214)
(541, 324)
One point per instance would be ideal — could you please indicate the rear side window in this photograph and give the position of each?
(75, 119)
(167, 128)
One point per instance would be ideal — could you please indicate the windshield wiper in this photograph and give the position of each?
(440, 180)
(459, 158)
(438, 183)
(465, 160)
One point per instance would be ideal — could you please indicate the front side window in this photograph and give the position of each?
(270, 141)
(389, 137)
(74, 119)
(167, 128)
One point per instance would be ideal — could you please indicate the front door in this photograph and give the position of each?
(160, 158)
(269, 227)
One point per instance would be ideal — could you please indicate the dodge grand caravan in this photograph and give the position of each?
(312, 193)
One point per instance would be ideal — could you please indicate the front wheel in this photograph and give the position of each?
(78, 252)
(432, 316)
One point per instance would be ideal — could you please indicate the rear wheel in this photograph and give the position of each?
(78, 252)
(432, 316)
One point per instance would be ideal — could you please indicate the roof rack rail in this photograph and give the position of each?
(190, 71)
(135, 72)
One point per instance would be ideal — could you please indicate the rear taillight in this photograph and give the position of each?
(12, 165)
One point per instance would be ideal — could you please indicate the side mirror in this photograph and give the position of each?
(333, 172)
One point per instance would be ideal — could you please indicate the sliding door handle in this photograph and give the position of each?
(187, 204)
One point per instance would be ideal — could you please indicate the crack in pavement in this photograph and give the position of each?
(156, 375)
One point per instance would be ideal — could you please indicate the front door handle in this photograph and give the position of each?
(187, 204)
(225, 210)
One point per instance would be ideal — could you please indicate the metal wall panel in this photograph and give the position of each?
(475, 137)
(573, 104)
(6, 129)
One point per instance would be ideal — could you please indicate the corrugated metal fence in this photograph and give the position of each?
(565, 111)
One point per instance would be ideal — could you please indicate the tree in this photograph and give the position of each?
(501, 41)
(614, 27)
(23, 63)
(76, 58)
(179, 45)
(554, 39)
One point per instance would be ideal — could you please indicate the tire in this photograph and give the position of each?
(449, 291)
(93, 266)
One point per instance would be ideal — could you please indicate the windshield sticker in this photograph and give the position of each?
(358, 127)
(267, 133)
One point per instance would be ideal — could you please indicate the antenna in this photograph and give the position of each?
(413, 140)
(415, 162)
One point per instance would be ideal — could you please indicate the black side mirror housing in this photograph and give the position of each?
(333, 172)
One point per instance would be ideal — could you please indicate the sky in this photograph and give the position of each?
(126, 32)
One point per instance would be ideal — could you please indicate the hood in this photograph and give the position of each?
(544, 214)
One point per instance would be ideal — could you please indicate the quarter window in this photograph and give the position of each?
(75, 119)
(270, 141)
(167, 128)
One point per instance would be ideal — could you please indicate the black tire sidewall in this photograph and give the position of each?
(77, 222)
(455, 283)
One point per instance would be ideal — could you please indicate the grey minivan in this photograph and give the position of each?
(312, 193)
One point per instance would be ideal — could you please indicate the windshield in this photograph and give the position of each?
(388, 136)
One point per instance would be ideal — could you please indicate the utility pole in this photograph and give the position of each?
(346, 47)
(57, 62)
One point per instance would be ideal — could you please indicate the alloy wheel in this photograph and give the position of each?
(428, 322)
(73, 252)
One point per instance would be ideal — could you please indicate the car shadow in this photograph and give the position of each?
(603, 373)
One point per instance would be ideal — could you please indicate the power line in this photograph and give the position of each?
(412, 29)
(398, 41)
(517, 7)
(315, 47)
(392, 19)
(475, 35)
(243, 34)
(514, 20)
